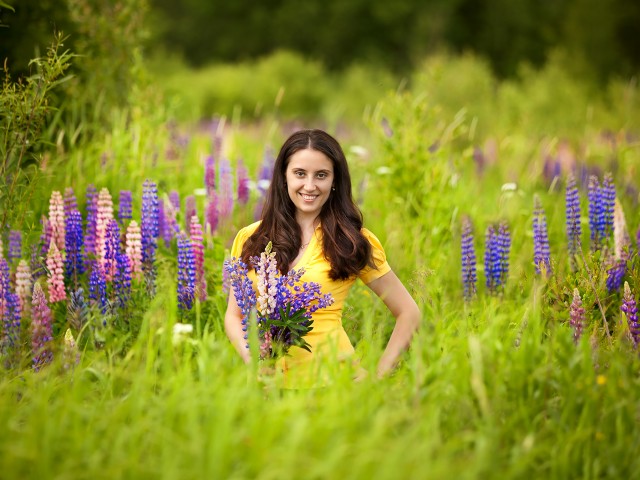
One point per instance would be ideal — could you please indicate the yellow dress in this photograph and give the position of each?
(330, 345)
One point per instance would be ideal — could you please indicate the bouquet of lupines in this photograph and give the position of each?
(283, 303)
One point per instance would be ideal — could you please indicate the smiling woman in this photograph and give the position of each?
(312, 222)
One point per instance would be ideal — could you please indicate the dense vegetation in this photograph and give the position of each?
(530, 370)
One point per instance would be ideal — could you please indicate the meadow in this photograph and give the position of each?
(501, 381)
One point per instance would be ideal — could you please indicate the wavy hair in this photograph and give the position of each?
(343, 244)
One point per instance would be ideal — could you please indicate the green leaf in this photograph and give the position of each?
(7, 6)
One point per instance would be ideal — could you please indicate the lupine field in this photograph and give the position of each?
(518, 239)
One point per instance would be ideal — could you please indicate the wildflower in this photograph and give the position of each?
(149, 233)
(133, 248)
(124, 206)
(92, 218)
(386, 128)
(15, 245)
(4, 286)
(104, 216)
(163, 222)
(574, 231)
(73, 262)
(56, 219)
(77, 310)
(41, 329)
(189, 210)
(23, 286)
(198, 253)
(469, 277)
(490, 258)
(621, 241)
(541, 254)
(243, 183)
(226, 188)
(174, 198)
(55, 280)
(210, 175)
(98, 288)
(122, 280)
(70, 352)
(267, 278)
(615, 274)
(595, 212)
(212, 213)
(498, 245)
(576, 315)
(242, 290)
(629, 307)
(504, 247)
(11, 321)
(112, 249)
(186, 273)
(70, 202)
(36, 264)
(608, 198)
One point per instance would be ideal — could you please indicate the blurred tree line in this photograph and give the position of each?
(599, 37)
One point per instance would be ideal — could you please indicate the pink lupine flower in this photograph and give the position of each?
(104, 216)
(134, 248)
(267, 277)
(198, 252)
(243, 183)
(226, 189)
(55, 277)
(212, 214)
(41, 333)
(23, 286)
(56, 219)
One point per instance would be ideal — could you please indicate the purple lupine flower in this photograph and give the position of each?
(226, 188)
(41, 329)
(124, 206)
(243, 183)
(112, 249)
(4, 286)
(149, 231)
(11, 321)
(92, 218)
(629, 307)
(98, 288)
(469, 277)
(163, 223)
(186, 273)
(174, 198)
(189, 211)
(77, 310)
(386, 128)
(615, 274)
(73, 262)
(541, 254)
(210, 175)
(212, 214)
(574, 230)
(122, 280)
(576, 315)
(608, 198)
(242, 290)
(70, 202)
(198, 254)
(15, 245)
(496, 260)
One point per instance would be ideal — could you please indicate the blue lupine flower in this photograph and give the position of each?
(11, 320)
(496, 259)
(242, 290)
(4, 284)
(574, 230)
(490, 258)
(73, 262)
(615, 274)
(124, 206)
(541, 253)
(92, 220)
(15, 245)
(468, 260)
(122, 280)
(77, 310)
(98, 288)
(186, 273)
(596, 224)
(112, 249)
(608, 199)
(504, 248)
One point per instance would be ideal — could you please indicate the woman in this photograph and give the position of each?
(311, 219)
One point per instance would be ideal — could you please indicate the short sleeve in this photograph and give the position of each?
(368, 274)
(241, 237)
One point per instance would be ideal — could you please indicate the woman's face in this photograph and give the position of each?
(309, 178)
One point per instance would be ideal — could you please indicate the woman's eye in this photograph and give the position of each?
(322, 175)
(300, 174)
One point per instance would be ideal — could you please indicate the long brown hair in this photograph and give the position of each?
(343, 244)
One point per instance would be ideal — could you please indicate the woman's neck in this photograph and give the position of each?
(307, 226)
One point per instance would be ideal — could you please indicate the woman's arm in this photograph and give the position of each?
(233, 327)
(407, 314)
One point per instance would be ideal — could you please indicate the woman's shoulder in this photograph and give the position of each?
(369, 235)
